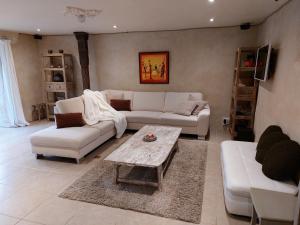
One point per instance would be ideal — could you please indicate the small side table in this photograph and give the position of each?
(272, 208)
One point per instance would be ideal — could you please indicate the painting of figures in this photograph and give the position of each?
(154, 67)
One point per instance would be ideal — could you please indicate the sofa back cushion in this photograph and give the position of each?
(174, 98)
(71, 105)
(126, 95)
(148, 101)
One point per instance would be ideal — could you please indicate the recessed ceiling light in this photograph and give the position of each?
(115, 26)
(212, 19)
(211, 1)
(38, 30)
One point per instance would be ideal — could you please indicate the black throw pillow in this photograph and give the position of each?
(284, 162)
(267, 142)
(269, 130)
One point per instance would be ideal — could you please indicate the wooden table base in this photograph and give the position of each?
(160, 173)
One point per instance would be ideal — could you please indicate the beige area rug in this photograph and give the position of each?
(183, 186)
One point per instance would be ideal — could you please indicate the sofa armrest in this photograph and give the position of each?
(203, 121)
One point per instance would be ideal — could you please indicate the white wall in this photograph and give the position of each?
(278, 98)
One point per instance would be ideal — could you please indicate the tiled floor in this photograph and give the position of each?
(29, 188)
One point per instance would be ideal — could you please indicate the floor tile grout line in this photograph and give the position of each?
(34, 208)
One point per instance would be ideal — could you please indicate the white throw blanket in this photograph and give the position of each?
(97, 109)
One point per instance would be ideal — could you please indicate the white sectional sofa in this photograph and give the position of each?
(241, 172)
(157, 107)
(147, 108)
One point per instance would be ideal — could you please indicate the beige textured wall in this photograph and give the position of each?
(200, 60)
(278, 98)
(27, 64)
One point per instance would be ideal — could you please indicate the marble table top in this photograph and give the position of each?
(137, 152)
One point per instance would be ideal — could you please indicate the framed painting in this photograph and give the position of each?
(154, 67)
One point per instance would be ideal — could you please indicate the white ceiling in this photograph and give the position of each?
(131, 15)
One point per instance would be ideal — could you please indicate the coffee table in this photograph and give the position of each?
(137, 153)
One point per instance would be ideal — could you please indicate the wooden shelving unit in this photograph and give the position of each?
(244, 91)
(58, 79)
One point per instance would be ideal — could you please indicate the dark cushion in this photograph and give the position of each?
(284, 162)
(266, 142)
(120, 104)
(69, 120)
(270, 129)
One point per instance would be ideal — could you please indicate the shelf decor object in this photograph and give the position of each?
(57, 79)
(244, 94)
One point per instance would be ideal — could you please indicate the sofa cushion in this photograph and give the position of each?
(148, 101)
(195, 96)
(185, 108)
(69, 120)
(71, 105)
(241, 171)
(266, 142)
(283, 162)
(127, 95)
(142, 117)
(172, 99)
(103, 127)
(117, 95)
(199, 107)
(121, 104)
(72, 137)
(178, 120)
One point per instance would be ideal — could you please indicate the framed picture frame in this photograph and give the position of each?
(154, 67)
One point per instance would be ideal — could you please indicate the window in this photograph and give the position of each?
(11, 111)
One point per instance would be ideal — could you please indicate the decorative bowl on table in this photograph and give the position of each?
(149, 137)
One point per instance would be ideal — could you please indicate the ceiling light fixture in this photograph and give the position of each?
(115, 26)
(212, 19)
(81, 14)
(38, 30)
(211, 1)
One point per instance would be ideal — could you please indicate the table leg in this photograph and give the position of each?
(159, 177)
(254, 217)
(116, 173)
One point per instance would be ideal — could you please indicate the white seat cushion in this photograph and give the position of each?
(148, 101)
(142, 116)
(241, 171)
(178, 120)
(103, 127)
(71, 137)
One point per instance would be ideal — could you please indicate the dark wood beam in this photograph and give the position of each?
(83, 49)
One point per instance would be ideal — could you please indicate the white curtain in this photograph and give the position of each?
(11, 111)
